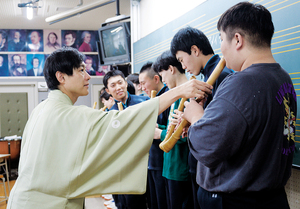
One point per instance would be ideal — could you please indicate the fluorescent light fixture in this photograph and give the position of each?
(29, 13)
(76, 11)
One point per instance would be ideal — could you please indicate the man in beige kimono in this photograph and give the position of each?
(69, 152)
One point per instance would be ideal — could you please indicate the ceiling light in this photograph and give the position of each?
(29, 13)
(76, 11)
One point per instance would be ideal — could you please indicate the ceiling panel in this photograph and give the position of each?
(13, 17)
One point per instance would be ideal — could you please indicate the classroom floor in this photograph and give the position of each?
(93, 202)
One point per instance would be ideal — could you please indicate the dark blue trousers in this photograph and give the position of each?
(156, 190)
(273, 199)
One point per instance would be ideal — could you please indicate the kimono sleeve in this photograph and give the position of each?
(115, 158)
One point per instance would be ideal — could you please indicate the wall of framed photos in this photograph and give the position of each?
(23, 52)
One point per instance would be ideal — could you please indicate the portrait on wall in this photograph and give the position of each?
(17, 64)
(87, 41)
(17, 40)
(69, 38)
(35, 41)
(91, 62)
(102, 70)
(3, 40)
(52, 40)
(4, 65)
(35, 64)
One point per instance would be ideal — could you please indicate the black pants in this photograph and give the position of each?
(274, 199)
(127, 201)
(179, 194)
(156, 190)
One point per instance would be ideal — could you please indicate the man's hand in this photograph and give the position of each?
(157, 133)
(193, 111)
(195, 88)
(190, 89)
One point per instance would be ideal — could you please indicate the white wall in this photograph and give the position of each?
(156, 13)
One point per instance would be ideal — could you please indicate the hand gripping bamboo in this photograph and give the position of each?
(172, 127)
(170, 143)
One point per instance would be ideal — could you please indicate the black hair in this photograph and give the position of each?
(70, 32)
(130, 87)
(252, 21)
(165, 60)
(63, 60)
(134, 78)
(110, 74)
(186, 37)
(147, 67)
(105, 95)
(33, 59)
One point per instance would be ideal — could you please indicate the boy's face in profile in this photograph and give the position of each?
(168, 78)
(117, 87)
(190, 62)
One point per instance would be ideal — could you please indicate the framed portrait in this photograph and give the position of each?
(35, 41)
(35, 64)
(17, 64)
(3, 40)
(91, 62)
(103, 69)
(52, 40)
(17, 40)
(69, 38)
(4, 65)
(87, 41)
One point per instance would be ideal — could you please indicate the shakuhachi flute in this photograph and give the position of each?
(170, 143)
(95, 104)
(172, 127)
(153, 94)
(103, 108)
(120, 106)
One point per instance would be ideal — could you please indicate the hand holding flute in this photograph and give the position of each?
(169, 144)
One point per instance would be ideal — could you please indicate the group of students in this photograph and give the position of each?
(240, 144)
(171, 181)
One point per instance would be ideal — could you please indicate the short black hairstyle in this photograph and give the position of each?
(165, 60)
(105, 95)
(63, 60)
(186, 37)
(252, 21)
(134, 78)
(147, 67)
(110, 74)
(130, 87)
